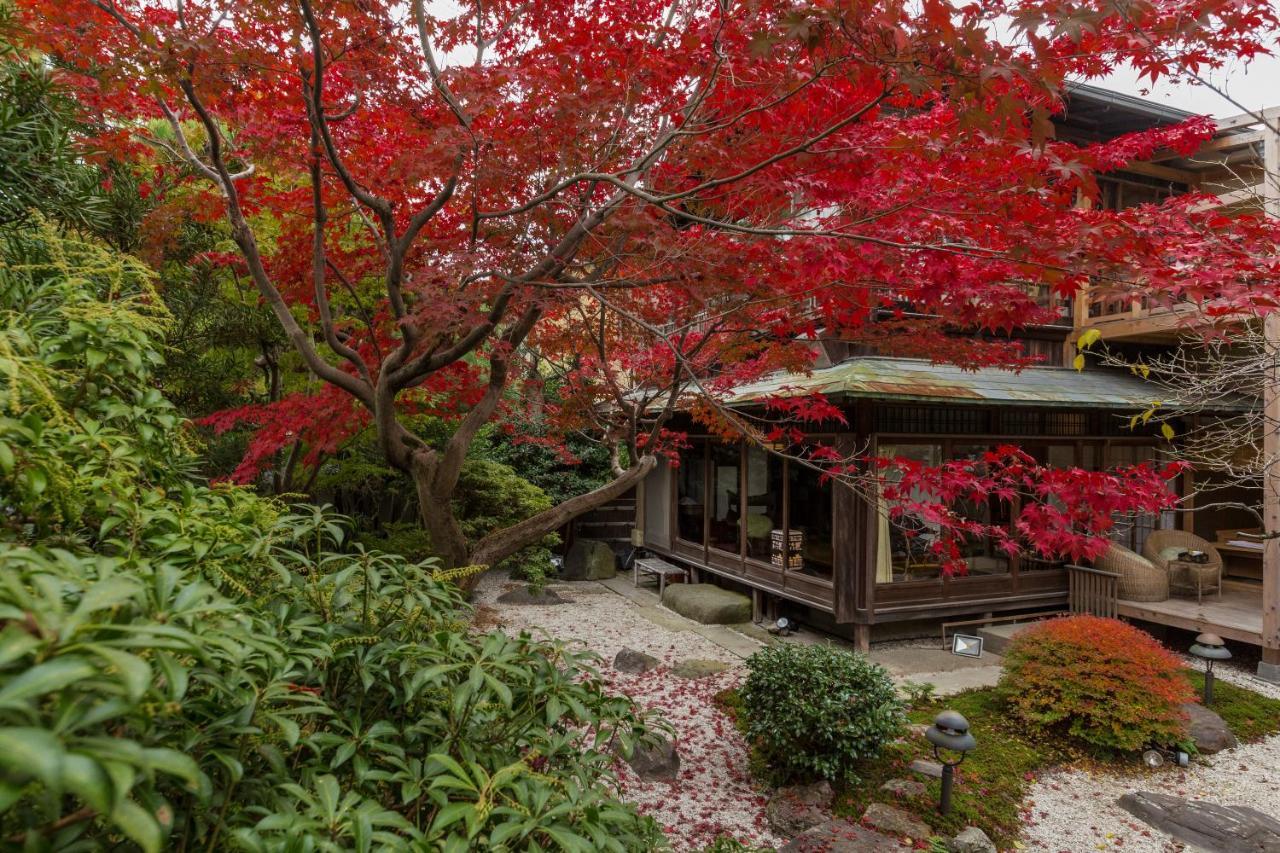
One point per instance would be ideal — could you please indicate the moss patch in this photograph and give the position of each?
(1250, 716)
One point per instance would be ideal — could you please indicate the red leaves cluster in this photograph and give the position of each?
(1058, 513)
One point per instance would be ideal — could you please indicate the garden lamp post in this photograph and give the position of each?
(1209, 648)
(950, 732)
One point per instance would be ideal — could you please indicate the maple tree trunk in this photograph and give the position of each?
(436, 511)
(501, 544)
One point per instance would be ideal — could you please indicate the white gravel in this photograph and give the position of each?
(714, 793)
(1074, 810)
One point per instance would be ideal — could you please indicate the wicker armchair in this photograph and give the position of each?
(1159, 540)
(1184, 578)
(1140, 579)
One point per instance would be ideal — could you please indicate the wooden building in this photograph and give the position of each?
(729, 510)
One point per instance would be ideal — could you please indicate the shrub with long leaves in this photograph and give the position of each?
(194, 668)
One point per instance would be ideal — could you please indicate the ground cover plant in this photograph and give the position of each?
(186, 666)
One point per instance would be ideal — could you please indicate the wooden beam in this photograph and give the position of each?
(1247, 119)
(1270, 665)
(1164, 173)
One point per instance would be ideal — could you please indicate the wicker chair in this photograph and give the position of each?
(1162, 540)
(1159, 540)
(1140, 579)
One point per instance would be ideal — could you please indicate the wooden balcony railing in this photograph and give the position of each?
(1092, 591)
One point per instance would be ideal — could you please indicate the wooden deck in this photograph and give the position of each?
(1236, 616)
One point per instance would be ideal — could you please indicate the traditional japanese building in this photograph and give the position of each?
(745, 517)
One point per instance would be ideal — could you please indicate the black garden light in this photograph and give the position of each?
(1209, 648)
(949, 733)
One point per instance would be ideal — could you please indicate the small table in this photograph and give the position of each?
(656, 566)
(1186, 576)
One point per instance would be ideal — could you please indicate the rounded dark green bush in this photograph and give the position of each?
(817, 711)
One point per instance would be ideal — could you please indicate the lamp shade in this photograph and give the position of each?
(1210, 647)
(950, 730)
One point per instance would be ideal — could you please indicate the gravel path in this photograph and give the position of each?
(714, 793)
(1074, 810)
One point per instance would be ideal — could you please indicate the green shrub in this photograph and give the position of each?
(817, 711)
(184, 667)
(1099, 680)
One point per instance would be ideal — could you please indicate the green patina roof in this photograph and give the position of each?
(917, 379)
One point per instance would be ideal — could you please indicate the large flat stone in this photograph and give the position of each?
(842, 836)
(1225, 829)
(799, 808)
(708, 603)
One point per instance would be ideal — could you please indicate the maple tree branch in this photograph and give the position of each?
(318, 264)
(244, 237)
(433, 68)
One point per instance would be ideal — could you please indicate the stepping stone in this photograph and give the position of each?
(894, 821)
(927, 768)
(841, 836)
(1208, 730)
(708, 603)
(795, 809)
(630, 660)
(698, 668)
(659, 763)
(904, 787)
(1227, 829)
(972, 840)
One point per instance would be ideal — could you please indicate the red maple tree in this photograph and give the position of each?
(659, 200)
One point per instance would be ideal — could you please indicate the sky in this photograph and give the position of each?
(1254, 86)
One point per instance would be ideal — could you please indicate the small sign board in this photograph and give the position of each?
(966, 645)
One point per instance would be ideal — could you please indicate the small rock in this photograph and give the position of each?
(630, 660)
(659, 763)
(1208, 730)
(971, 840)
(927, 768)
(792, 810)
(841, 836)
(522, 596)
(895, 821)
(1226, 829)
(917, 729)
(904, 787)
(697, 668)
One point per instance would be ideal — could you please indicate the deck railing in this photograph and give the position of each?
(1092, 591)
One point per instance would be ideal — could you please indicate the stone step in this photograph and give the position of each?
(996, 638)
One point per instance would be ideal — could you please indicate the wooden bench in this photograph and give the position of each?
(657, 567)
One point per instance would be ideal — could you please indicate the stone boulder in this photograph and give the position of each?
(971, 840)
(708, 603)
(842, 836)
(925, 767)
(1208, 730)
(698, 668)
(795, 809)
(1224, 829)
(660, 763)
(590, 560)
(904, 787)
(894, 821)
(630, 660)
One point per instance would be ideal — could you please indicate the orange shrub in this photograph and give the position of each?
(1101, 680)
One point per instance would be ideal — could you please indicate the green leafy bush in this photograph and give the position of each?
(1102, 681)
(188, 667)
(817, 711)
